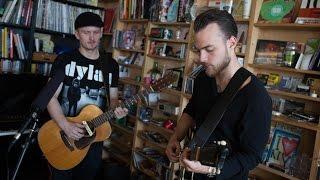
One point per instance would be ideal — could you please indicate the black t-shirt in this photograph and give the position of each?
(245, 124)
(84, 81)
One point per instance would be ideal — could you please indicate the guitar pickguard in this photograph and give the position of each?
(85, 141)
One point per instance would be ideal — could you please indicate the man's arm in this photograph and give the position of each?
(255, 129)
(183, 126)
(173, 148)
(73, 130)
(114, 100)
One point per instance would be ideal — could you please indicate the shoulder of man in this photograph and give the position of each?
(107, 58)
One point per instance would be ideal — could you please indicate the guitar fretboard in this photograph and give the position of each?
(141, 96)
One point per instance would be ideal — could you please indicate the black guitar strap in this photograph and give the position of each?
(217, 111)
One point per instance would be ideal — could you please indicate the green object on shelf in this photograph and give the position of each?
(275, 10)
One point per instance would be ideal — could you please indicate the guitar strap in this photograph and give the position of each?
(217, 111)
(104, 61)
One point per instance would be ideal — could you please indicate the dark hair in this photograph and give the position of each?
(222, 18)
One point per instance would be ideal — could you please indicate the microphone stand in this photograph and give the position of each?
(25, 146)
(38, 105)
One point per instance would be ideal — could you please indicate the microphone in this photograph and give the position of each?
(40, 103)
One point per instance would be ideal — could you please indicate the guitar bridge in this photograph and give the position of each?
(89, 131)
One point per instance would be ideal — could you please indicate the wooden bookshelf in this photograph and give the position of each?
(276, 172)
(171, 91)
(167, 58)
(130, 65)
(131, 50)
(295, 33)
(169, 40)
(292, 122)
(293, 95)
(149, 158)
(129, 81)
(283, 69)
(289, 26)
(134, 20)
(171, 24)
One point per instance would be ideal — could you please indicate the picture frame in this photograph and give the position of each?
(177, 83)
(283, 149)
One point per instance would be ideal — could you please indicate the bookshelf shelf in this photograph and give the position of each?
(171, 24)
(172, 91)
(276, 172)
(149, 158)
(285, 120)
(130, 50)
(79, 4)
(123, 129)
(165, 130)
(293, 95)
(178, 60)
(162, 146)
(129, 81)
(46, 31)
(130, 66)
(14, 26)
(289, 26)
(134, 20)
(283, 69)
(169, 40)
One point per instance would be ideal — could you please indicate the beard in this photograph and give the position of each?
(213, 70)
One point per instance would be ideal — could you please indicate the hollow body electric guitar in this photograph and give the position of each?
(64, 153)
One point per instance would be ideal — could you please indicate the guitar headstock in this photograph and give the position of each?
(165, 81)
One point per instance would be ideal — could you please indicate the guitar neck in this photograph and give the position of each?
(140, 96)
(108, 115)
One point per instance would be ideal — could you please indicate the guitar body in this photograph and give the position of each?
(63, 153)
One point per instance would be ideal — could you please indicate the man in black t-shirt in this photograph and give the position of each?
(90, 78)
(246, 121)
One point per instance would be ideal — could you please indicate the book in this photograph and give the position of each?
(108, 19)
(269, 52)
(309, 12)
(309, 54)
(128, 39)
(273, 80)
(278, 11)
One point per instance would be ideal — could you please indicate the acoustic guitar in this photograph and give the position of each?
(64, 153)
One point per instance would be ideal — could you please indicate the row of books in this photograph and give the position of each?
(305, 56)
(17, 12)
(12, 45)
(11, 66)
(58, 16)
(41, 68)
(163, 11)
(87, 2)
